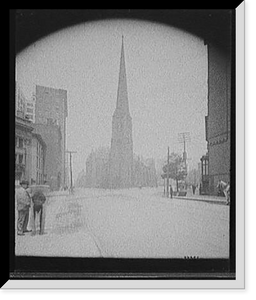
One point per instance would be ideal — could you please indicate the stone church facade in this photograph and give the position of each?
(117, 167)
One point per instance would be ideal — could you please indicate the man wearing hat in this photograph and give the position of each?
(23, 202)
(38, 200)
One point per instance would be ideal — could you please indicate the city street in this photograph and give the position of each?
(131, 223)
(124, 146)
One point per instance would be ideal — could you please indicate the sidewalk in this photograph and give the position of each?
(203, 198)
(189, 196)
(57, 193)
(66, 232)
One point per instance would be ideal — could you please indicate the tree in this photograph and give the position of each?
(177, 170)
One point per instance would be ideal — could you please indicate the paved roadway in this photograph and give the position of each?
(130, 223)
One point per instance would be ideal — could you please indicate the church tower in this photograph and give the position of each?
(121, 151)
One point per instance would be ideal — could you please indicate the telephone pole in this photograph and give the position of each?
(70, 162)
(167, 179)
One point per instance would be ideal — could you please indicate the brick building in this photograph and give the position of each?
(30, 151)
(218, 118)
(51, 111)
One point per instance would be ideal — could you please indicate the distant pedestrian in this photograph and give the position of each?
(23, 202)
(193, 189)
(171, 191)
(39, 199)
(200, 189)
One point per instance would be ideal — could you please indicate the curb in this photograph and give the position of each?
(213, 201)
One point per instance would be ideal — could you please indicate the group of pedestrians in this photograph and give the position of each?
(24, 199)
(194, 187)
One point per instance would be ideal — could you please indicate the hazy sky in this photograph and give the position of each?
(166, 72)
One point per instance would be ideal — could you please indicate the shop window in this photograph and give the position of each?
(20, 145)
(20, 158)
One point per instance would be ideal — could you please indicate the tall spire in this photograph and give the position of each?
(121, 151)
(122, 104)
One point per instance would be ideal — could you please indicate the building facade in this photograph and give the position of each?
(25, 141)
(51, 110)
(38, 174)
(121, 150)
(23, 153)
(30, 151)
(51, 135)
(97, 168)
(218, 118)
(20, 102)
(30, 109)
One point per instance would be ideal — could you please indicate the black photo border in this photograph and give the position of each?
(28, 25)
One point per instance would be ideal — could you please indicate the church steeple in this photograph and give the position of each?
(121, 151)
(122, 105)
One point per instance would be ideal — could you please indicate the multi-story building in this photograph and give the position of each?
(217, 122)
(40, 125)
(30, 150)
(51, 104)
(30, 109)
(38, 175)
(51, 135)
(23, 154)
(20, 102)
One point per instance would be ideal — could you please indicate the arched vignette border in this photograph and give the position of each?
(213, 26)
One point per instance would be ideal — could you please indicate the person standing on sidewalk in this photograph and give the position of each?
(23, 202)
(39, 199)
(171, 191)
(193, 188)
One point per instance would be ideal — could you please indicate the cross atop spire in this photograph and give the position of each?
(122, 104)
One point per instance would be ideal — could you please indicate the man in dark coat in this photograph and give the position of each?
(23, 202)
(38, 199)
(193, 188)
(171, 191)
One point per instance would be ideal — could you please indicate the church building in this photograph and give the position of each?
(121, 150)
(117, 167)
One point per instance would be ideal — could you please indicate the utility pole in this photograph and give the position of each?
(183, 138)
(70, 162)
(167, 179)
(64, 163)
